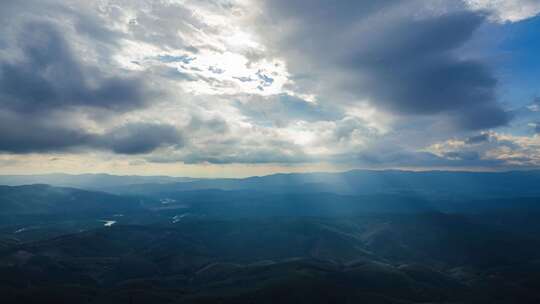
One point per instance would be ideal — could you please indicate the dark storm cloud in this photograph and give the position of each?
(482, 115)
(325, 14)
(28, 134)
(409, 69)
(139, 138)
(403, 63)
(49, 77)
(47, 81)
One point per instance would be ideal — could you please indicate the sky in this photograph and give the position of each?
(210, 88)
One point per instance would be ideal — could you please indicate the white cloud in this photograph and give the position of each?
(507, 10)
(504, 150)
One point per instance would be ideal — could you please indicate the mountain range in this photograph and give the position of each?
(292, 238)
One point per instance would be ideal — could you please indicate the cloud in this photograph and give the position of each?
(49, 77)
(139, 138)
(477, 139)
(363, 83)
(535, 105)
(507, 10)
(267, 155)
(170, 58)
(282, 109)
(402, 60)
(27, 134)
(536, 127)
(50, 94)
(225, 151)
(214, 125)
(499, 150)
(30, 134)
(463, 155)
(388, 158)
(409, 69)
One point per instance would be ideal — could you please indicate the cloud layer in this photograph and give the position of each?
(400, 62)
(351, 83)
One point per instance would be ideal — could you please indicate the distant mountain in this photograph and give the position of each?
(428, 184)
(87, 181)
(48, 200)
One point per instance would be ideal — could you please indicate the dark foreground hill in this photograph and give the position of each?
(170, 243)
(426, 258)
